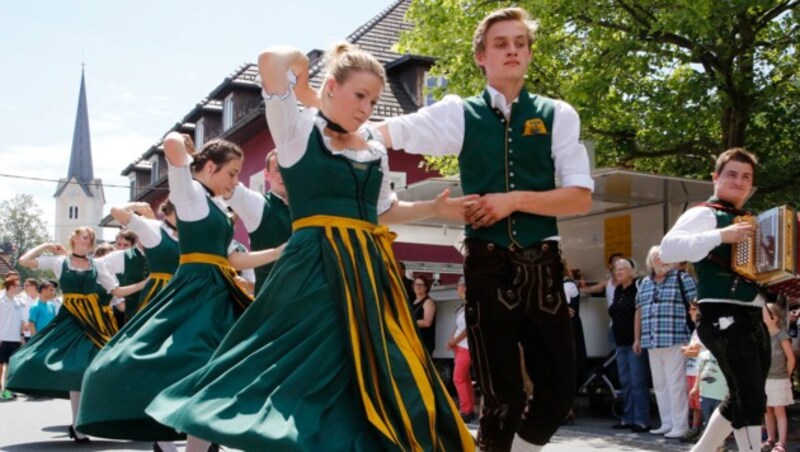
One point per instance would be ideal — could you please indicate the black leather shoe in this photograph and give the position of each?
(640, 428)
(157, 448)
(622, 426)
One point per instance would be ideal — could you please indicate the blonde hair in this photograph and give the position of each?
(650, 262)
(77, 231)
(344, 58)
(776, 313)
(479, 38)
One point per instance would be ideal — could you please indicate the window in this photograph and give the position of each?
(154, 168)
(227, 112)
(133, 188)
(76, 212)
(432, 82)
(199, 133)
(73, 212)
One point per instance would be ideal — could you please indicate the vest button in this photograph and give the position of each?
(510, 129)
(510, 151)
(511, 174)
(512, 185)
(511, 163)
(510, 140)
(514, 232)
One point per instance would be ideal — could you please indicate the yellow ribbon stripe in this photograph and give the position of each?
(400, 328)
(239, 294)
(159, 281)
(98, 322)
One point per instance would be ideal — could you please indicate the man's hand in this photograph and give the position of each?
(737, 232)
(637, 347)
(489, 209)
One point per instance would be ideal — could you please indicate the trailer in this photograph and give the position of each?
(631, 211)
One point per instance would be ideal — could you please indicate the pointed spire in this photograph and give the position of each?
(80, 159)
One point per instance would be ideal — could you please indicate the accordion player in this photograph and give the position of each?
(769, 257)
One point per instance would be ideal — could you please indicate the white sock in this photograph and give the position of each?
(520, 445)
(748, 438)
(74, 399)
(195, 444)
(167, 446)
(717, 429)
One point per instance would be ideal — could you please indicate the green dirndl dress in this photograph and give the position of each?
(327, 357)
(162, 262)
(175, 334)
(53, 363)
(135, 271)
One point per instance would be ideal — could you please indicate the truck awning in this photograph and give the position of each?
(615, 190)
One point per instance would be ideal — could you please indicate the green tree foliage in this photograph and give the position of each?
(22, 228)
(661, 86)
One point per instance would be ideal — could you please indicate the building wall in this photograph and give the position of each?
(90, 211)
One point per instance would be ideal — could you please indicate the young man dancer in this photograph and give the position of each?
(731, 325)
(512, 146)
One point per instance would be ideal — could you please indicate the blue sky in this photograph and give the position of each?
(147, 64)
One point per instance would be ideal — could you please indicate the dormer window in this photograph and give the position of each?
(431, 83)
(154, 169)
(227, 112)
(199, 132)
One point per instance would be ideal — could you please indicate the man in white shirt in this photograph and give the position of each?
(731, 325)
(11, 328)
(512, 146)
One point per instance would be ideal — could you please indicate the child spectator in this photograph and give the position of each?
(12, 324)
(779, 385)
(44, 311)
(691, 352)
(710, 384)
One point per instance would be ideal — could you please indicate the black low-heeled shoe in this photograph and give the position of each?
(157, 448)
(74, 436)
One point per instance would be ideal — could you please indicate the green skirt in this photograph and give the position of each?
(54, 361)
(175, 334)
(317, 362)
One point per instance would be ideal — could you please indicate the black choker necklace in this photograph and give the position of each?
(78, 256)
(334, 127)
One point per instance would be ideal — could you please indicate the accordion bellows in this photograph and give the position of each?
(769, 257)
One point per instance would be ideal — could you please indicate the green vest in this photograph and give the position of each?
(323, 183)
(717, 281)
(274, 229)
(209, 235)
(163, 258)
(135, 271)
(500, 156)
(81, 282)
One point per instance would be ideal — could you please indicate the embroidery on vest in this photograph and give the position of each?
(534, 127)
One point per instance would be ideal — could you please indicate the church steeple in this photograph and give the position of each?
(80, 159)
(79, 197)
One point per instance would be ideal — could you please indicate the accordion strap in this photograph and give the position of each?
(726, 208)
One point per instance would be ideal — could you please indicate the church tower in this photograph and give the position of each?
(79, 197)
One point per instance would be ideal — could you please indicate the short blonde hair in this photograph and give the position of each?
(344, 58)
(479, 38)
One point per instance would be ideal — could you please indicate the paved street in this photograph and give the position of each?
(41, 425)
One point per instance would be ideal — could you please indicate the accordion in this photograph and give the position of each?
(769, 257)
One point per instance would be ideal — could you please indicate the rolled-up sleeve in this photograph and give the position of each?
(694, 235)
(248, 205)
(437, 129)
(568, 153)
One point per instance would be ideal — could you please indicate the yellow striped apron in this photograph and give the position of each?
(401, 329)
(159, 281)
(97, 321)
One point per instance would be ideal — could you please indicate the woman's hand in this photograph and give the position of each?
(452, 208)
(637, 347)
